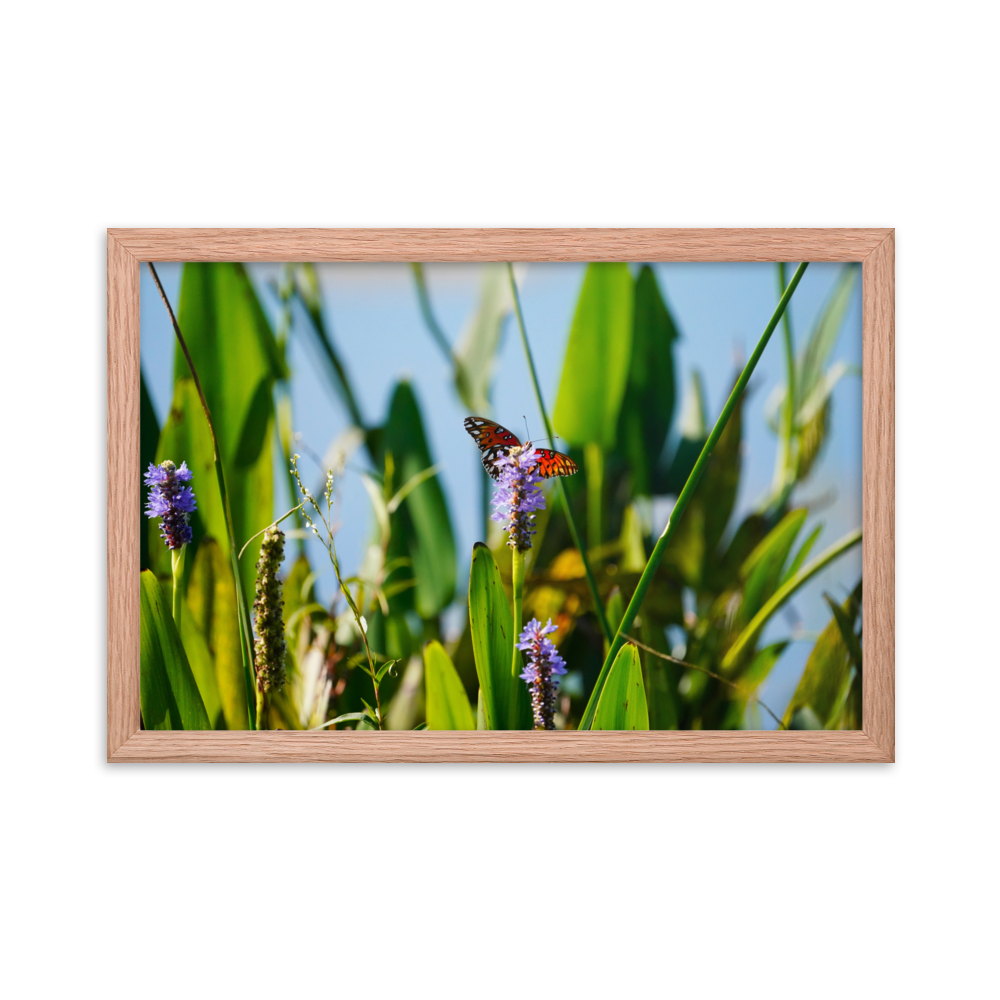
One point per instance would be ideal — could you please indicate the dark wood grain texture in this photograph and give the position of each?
(874, 247)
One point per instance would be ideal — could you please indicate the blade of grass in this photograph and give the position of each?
(246, 632)
(685, 498)
(430, 320)
(560, 486)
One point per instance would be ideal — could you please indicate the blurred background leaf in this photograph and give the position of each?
(168, 694)
(598, 355)
(447, 705)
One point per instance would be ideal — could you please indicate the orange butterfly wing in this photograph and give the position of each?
(493, 441)
(554, 463)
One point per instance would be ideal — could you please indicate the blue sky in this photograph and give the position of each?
(720, 311)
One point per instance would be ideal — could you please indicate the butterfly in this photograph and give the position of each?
(494, 441)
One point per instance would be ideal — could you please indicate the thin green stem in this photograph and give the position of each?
(261, 710)
(177, 572)
(243, 610)
(517, 585)
(560, 486)
(430, 320)
(684, 499)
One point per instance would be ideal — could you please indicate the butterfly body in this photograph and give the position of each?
(495, 442)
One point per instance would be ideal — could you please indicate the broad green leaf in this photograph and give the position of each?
(784, 592)
(211, 600)
(596, 367)
(421, 528)
(238, 361)
(149, 435)
(648, 406)
(623, 700)
(826, 682)
(447, 705)
(477, 345)
(168, 694)
(202, 667)
(506, 703)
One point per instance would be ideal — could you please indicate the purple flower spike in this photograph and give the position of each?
(171, 500)
(545, 665)
(518, 496)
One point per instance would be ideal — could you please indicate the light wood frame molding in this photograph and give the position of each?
(874, 248)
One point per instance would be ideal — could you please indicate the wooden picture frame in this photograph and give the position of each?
(874, 248)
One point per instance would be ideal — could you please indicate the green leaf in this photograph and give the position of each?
(826, 682)
(662, 677)
(506, 703)
(845, 622)
(615, 609)
(596, 367)
(784, 592)
(623, 700)
(149, 435)
(202, 666)
(694, 433)
(346, 717)
(762, 570)
(238, 361)
(648, 406)
(211, 599)
(800, 556)
(168, 694)
(421, 528)
(750, 681)
(447, 705)
(384, 669)
(477, 346)
(813, 359)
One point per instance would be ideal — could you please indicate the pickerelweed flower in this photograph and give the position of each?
(518, 496)
(545, 665)
(171, 500)
(269, 649)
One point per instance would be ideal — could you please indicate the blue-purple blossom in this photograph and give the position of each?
(518, 496)
(171, 500)
(545, 665)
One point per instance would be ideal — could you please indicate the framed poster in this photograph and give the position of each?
(872, 248)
